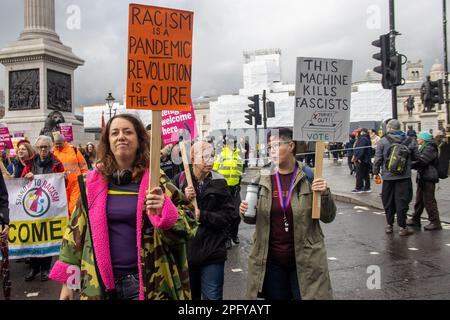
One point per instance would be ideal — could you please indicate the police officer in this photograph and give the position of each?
(230, 164)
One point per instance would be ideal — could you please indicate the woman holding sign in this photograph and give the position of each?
(207, 251)
(43, 163)
(128, 241)
(288, 260)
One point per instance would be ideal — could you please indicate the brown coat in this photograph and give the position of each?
(311, 256)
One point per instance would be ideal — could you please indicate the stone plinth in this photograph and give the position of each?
(429, 121)
(39, 74)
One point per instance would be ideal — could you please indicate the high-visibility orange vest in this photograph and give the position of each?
(74, 165)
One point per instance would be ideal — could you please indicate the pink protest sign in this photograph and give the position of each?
(19, 134)
(176, 123)
(67, 131)
(5, 138)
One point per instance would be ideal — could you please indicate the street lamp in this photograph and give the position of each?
(229, 125)
(110, 101)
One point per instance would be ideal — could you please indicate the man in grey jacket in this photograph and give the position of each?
(397, 188)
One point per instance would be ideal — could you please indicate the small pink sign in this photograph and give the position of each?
(19, 134)
(67, 131)
(5, 138)
(176, 123)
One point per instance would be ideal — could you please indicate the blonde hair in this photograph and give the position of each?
(30, 150)
(197, 151)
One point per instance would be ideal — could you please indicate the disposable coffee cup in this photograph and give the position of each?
(251, 198)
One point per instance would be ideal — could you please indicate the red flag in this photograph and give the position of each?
(103, 120)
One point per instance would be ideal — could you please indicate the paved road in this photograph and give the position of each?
(416, 267)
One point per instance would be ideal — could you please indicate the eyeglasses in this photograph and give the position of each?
(276, 145)
(42, 147)
(208, 157)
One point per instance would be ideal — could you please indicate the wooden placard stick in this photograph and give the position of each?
(320, 147)
(187, 170)
(155, 151)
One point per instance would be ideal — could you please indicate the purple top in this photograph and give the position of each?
(121, 213)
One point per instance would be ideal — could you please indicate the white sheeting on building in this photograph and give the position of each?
(371, 103)
(263, 70)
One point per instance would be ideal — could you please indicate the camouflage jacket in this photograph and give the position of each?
(163, 262)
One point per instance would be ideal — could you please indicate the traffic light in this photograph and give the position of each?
(249, 116)
(391, 63)
(384, 43)
(437, 91)
(270, 109)
(259, 122)
(394, 71)
(253, 112)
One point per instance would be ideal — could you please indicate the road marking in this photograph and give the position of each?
(237, 270)
(374, 253)
(413, 249)
(340, 213)
(361, 208)
(33, 294)
(378, 213)
(448, 244)
(359, 211)
(332, 258)
(446, 227)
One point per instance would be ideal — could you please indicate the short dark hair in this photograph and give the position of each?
(285, 134)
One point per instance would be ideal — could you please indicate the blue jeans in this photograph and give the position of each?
(127, 288)
(281, 283)
(207, 281)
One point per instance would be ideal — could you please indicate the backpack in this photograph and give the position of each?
(309, 173)
(443, 161)
(397, 156)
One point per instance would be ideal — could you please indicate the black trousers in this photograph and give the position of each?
(351, 165)
(425, 199)
(281, 283)
(363, 176)
(41, 264)
(396, 196)
(234, 226)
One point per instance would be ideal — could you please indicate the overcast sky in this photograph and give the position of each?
(223, 29)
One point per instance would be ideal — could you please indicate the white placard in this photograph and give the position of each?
(38, 215)
(323, 98)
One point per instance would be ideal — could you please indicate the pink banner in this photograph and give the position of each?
(66, 131)
(176, 123)
(5, 138)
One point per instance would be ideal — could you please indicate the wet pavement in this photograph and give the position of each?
(415, 267)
